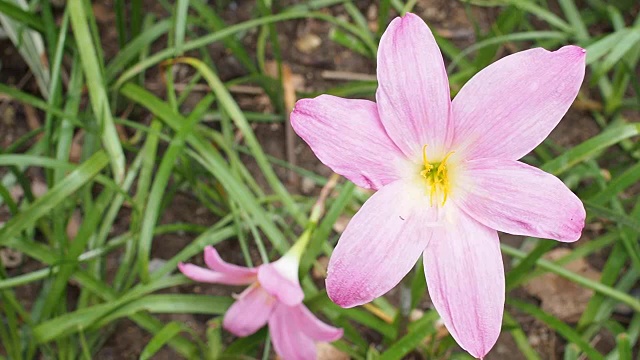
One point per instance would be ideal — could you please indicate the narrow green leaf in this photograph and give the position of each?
(544, 14)
(575, 19)
(169, 304)
(350, 42)
(613, 216)
(578, 279)
(232, 43)
(180, 24)
(228, 31)
(623, 346)
(619, 50)
(96, 87)
(45, 204)
(20, 15)
(590, 148)
(211, 159)
(160, 339)
(152, 210)
(520, 337)
(560, 327)
(419, 331)
(133, 48)
(603, 46)
(226, 102)
(618, 185)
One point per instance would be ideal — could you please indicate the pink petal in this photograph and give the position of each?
(508, 108)
(519, 199)
(215, 262)
(312, 326)
(465, 278)
(283, 287)
(200, 274)
(347, 136)
(289, 341)
(250, 312)
(413, 92)
(381, 244)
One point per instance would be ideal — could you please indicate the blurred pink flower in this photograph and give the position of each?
(274, 296)
(447, 174)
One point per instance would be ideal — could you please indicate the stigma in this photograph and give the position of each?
(436, 177)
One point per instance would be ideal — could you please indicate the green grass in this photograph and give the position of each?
(172, 149)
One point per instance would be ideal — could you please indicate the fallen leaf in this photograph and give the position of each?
(10, 258)
(307, 185)
(341, 224)
(560, 297)
(74, 225)
(327, 351)
(308, 42)
(319, 270)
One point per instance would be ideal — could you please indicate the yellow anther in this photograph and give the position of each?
(437, 180)
(427, 168)
(442, 167)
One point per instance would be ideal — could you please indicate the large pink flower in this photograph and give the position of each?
(447, 174)
(274, 297)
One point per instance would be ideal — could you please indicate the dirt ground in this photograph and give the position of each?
(310, 66)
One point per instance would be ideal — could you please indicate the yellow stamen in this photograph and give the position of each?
(436, 176)
(427, 166)
(424, 155)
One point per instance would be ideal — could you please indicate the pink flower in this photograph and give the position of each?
(447, 174)
(274, 296)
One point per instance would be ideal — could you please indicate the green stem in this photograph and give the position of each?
(301, 244)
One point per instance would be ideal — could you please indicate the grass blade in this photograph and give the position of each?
(96, 87)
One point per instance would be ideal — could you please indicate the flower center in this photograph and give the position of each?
(436, 176)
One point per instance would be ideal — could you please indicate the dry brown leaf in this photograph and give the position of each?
(74, 225)
(39, 188)
(75, 153)
(31, 115)
(415, 315)
(289, 89)
(16, 192)
(327, 351)
(560, 297)
(103, 13)
(341, 224)
(271, 69)
(319, 271)
(372, 17)
(307, 185)
(441, 333)
(308, 42)
(10, 258)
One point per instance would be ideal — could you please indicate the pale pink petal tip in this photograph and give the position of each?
(289, 340)
(214, 262)
(314, 327)
(518, 99)
(200, 274)
(337, 130)
(286, 291)
(574, 50)
(380, 245)
(467, 287)
(519, 199)
(413, 95)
